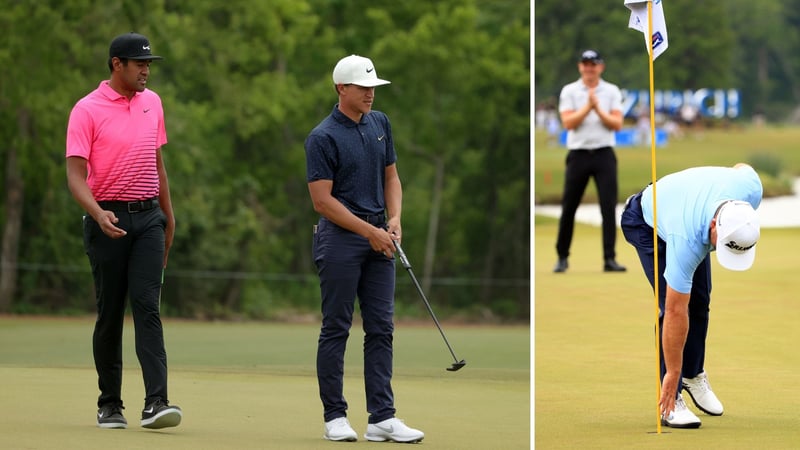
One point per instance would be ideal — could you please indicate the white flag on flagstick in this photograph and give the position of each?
(639, 22)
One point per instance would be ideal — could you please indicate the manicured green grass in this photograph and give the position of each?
(763, 148)
(595, 364)
(253, 385)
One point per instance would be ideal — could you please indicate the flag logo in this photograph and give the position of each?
(658, 39)
(639, 22)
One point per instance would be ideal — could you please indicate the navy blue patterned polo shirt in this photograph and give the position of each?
(354, 156)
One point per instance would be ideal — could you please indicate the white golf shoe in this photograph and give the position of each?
(702, 395)
(392, 430)
(681, 416)
(339, 429)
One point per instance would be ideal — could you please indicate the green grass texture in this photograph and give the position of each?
(773, 151)
(596, 373)
(253, 386)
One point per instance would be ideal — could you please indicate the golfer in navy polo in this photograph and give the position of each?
(354, 185)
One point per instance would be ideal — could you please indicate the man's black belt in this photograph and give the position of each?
(591, 150)
(373, 219)
(131, 207)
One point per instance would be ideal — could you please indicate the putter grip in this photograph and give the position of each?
(402, 255)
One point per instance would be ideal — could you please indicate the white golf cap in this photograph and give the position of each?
(356, 70)
(738, 230)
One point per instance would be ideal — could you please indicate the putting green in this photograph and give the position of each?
(252, 385)
(595, 368)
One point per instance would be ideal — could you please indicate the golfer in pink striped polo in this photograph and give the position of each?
(116, 174)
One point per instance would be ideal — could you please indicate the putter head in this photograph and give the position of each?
(457, 365)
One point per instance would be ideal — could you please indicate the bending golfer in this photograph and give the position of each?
(699, 210)
(354, 186)
(115, 172)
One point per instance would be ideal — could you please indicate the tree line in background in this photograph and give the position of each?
(242, 83)
(738, 44)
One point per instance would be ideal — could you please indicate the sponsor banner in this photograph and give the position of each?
(710, 103)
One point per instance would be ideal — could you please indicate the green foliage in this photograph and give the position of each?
(242, 84)
(751, 46)
(766, 163)
(469, 93)
(765, 54)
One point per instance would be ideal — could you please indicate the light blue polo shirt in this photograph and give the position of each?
(687, 202)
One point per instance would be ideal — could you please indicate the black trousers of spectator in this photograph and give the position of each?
(581, 165)
(130, 266)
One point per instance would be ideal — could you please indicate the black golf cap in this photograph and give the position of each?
(591, 56)
(131, 46)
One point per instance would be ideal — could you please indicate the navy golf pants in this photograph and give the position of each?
(640, 235)
(128, 266)
(349, 268)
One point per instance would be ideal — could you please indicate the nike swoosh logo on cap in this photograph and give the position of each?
(370, 70)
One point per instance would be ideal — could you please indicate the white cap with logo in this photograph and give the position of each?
(738, 230)
(357, 70)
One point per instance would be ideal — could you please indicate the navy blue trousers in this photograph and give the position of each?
(128, 267)
(348, 268)
(640, 235)
(581, 165)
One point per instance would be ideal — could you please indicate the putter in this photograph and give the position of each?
(407, 265)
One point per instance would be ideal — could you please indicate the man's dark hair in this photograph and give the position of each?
(111, 66)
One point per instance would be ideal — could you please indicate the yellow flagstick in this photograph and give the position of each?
(651, 52)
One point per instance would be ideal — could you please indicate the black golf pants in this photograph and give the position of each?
(129, 266)
(581, 165)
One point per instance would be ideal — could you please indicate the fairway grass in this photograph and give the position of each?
(595, 367)
(253, 386)
(767, 149)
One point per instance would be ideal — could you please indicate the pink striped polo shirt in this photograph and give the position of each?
(119, 139)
